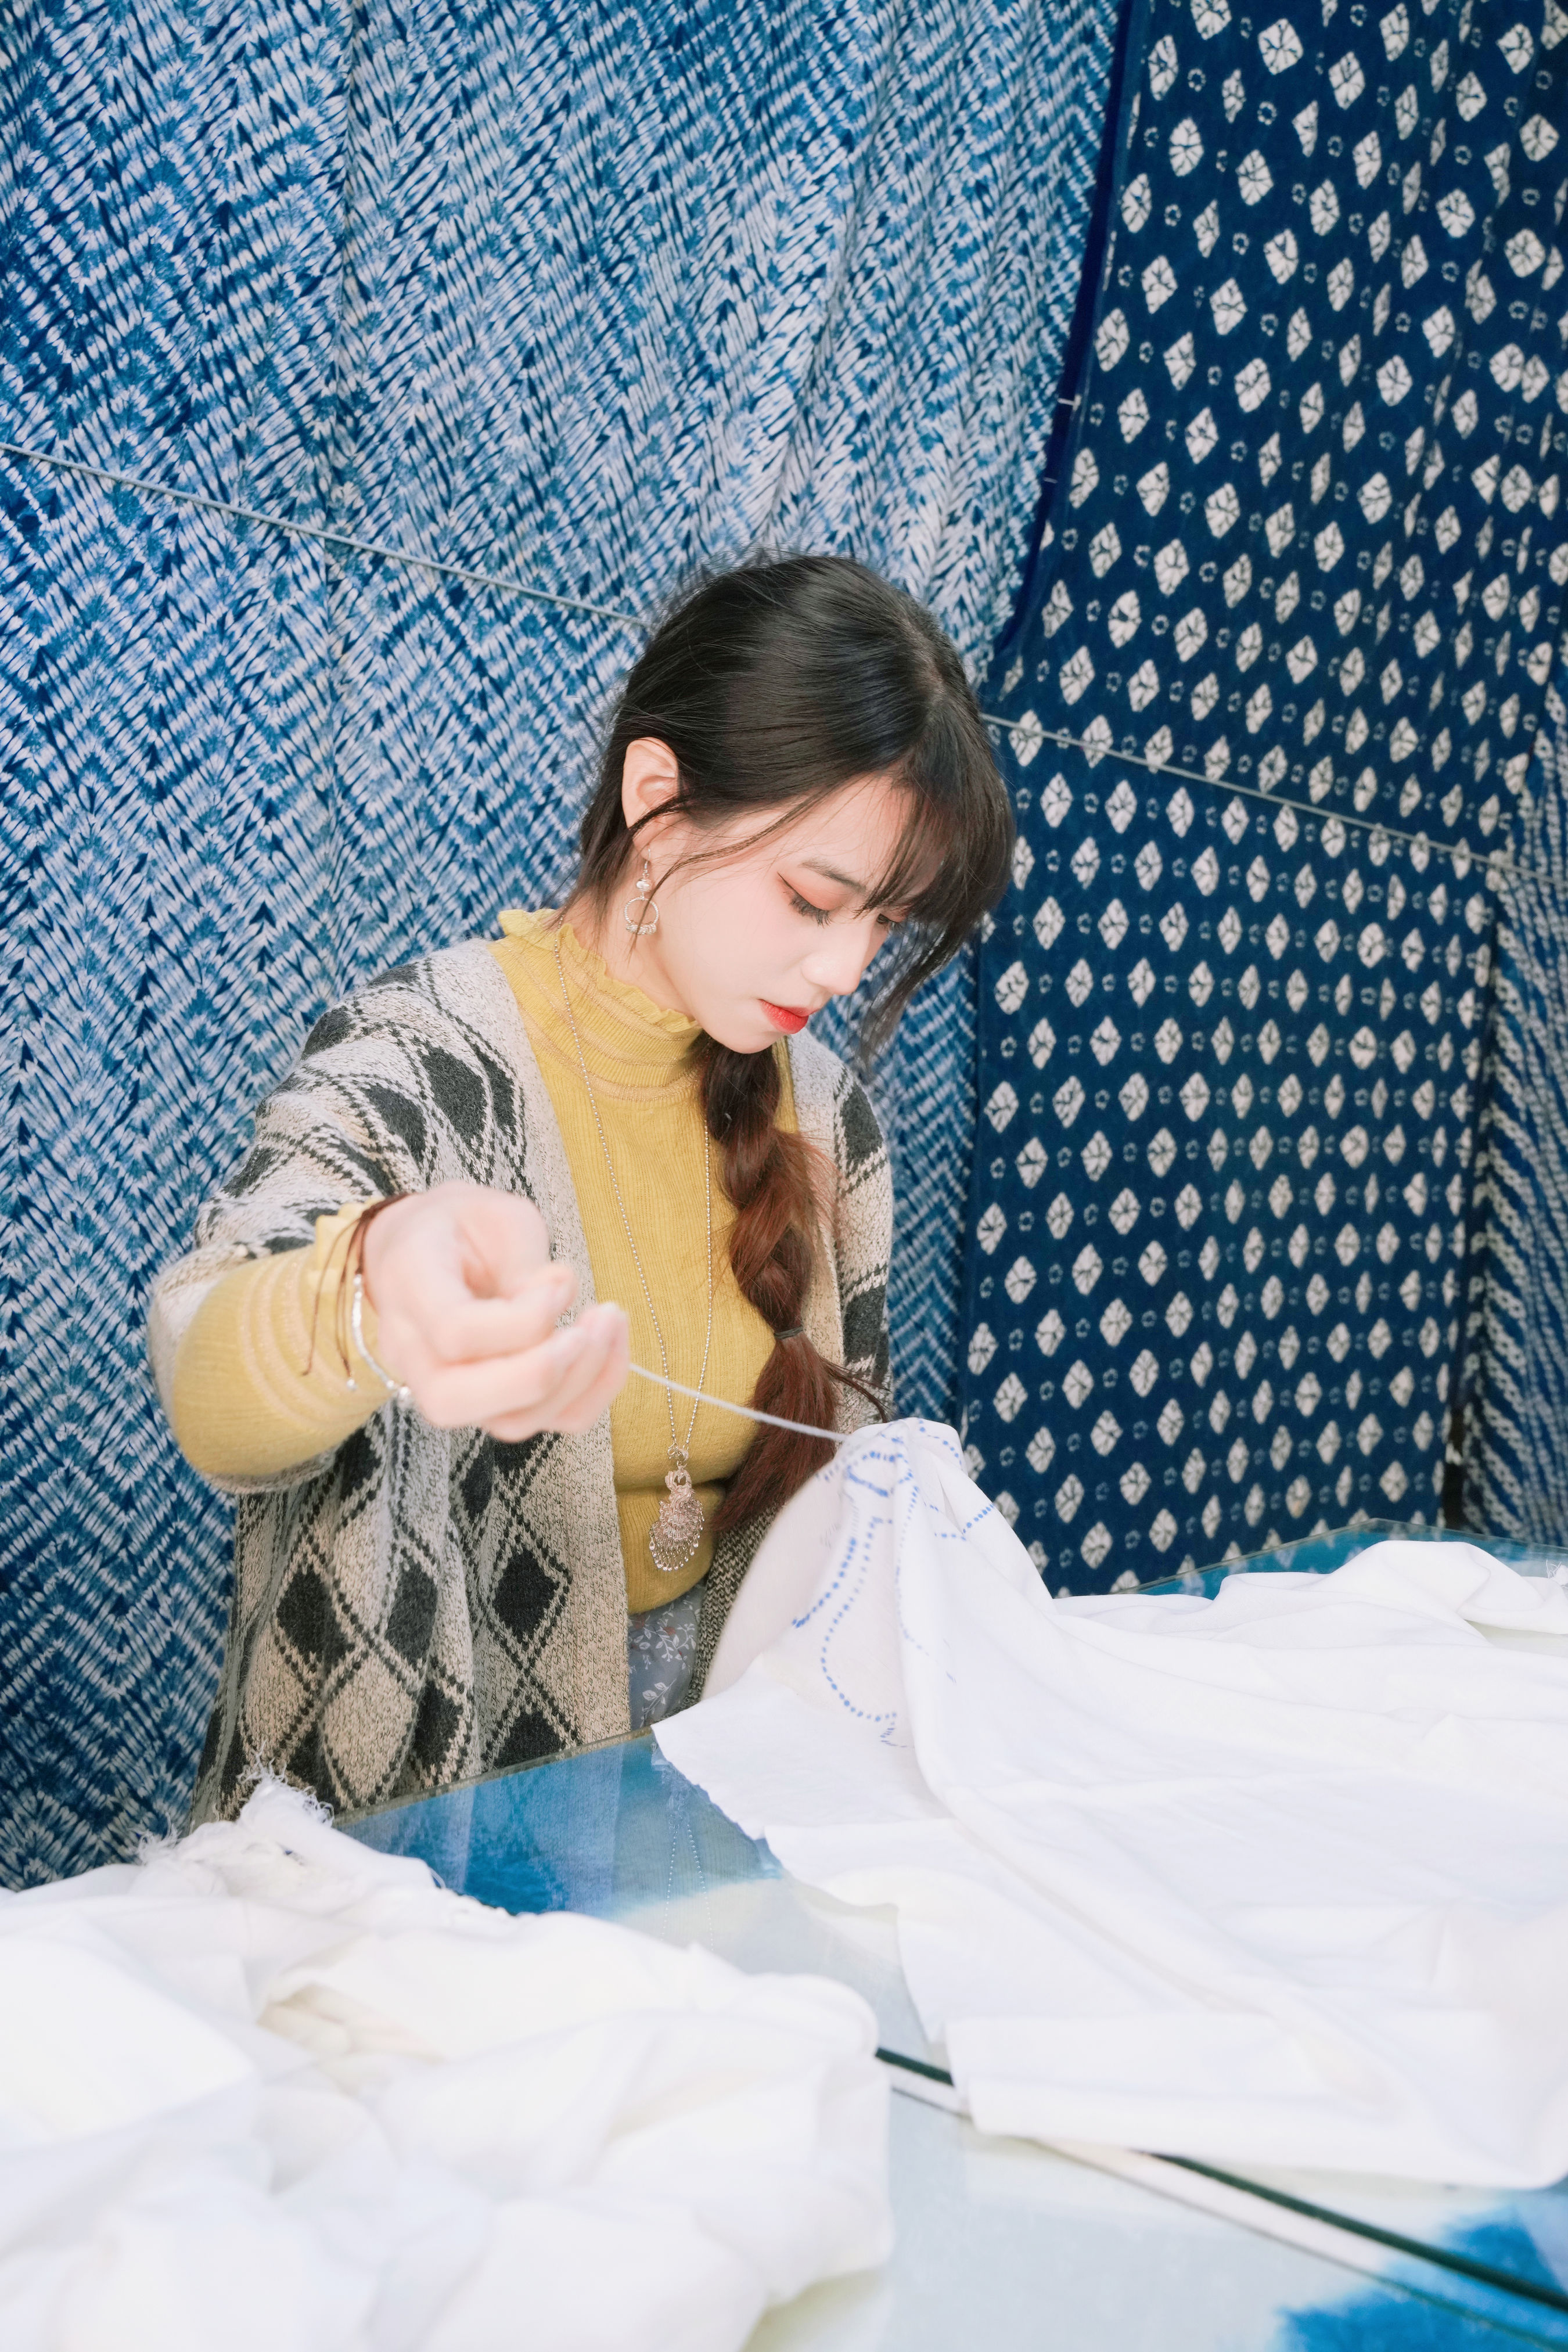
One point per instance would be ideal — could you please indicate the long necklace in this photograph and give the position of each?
(678, 1528)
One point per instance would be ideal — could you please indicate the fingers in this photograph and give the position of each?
(451, 1327)
(597, 1391)
(469, 1305)
(462, 1238)
(502, 1243)
(564, 1383)
(460, 1275)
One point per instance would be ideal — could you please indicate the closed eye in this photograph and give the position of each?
(824, 915)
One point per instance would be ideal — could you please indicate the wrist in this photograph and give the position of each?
(379, 1227)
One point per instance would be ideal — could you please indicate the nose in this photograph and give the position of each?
(838, 961)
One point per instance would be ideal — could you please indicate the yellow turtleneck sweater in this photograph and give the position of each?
(243, 1406)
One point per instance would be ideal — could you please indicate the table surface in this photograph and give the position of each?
(1002, 2242)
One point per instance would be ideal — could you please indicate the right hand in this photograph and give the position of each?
(467, 1299)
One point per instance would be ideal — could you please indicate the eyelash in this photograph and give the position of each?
(821, 915)
(804, 907)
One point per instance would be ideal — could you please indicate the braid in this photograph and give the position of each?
(768, 1175)
(776, 687)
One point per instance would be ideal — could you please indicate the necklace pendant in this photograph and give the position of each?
(678, 1530)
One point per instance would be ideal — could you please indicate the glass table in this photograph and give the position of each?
(1001, 2242)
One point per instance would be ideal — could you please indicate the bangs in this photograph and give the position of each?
(942, 865)
(949, 865)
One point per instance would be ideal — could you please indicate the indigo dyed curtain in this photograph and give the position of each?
(1274, 692)
(581, 297)
(1514, 1439)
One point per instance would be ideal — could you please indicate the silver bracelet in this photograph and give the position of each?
(398, 1390)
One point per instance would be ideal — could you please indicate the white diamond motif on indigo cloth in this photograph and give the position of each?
(1356, 385)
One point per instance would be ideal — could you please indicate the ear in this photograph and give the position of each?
(650, 780)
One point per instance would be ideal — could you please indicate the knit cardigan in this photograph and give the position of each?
(422, 1605)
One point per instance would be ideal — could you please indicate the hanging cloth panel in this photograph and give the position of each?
(582, 297)
(1307, 547)
(1516, 1383)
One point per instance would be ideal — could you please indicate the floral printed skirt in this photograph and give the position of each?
(661, 1649)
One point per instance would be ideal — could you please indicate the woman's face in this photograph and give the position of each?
(754, 942)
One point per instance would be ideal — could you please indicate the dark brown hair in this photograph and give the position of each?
(775, 685)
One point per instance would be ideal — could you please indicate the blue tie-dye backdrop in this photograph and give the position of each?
(579, 295)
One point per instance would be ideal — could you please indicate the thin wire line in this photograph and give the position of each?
(1066, 742)
(745, 1412)
(329, 539)
(1499, 860)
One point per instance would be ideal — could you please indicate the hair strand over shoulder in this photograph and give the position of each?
(776, 685)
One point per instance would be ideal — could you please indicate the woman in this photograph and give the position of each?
(464, 1538)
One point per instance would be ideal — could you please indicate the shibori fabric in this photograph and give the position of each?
(1307, 545)
(1515, 1437)
(582, 299)
(422, 1605)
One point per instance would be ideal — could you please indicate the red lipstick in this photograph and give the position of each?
(786, 1017)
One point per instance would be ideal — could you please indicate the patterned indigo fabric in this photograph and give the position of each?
(1307, 546)
(1516, 1386)
(582, 296)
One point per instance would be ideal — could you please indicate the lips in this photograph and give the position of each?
(787, 1017)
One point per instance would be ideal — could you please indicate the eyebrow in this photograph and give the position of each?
(831, 873)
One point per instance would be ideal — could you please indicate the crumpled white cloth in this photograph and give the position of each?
(1278, 1877)
(271, 2090)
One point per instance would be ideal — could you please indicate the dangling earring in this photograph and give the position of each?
(641, 913)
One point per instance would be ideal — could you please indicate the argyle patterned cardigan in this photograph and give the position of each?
(423, 1605)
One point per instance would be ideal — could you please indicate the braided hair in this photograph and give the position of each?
(775, 685)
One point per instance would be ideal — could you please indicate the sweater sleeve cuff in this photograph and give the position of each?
(268, 1377)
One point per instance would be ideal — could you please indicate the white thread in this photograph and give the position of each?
(746, 1412)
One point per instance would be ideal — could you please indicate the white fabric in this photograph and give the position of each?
(1280, 1877)
(272, 2092)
